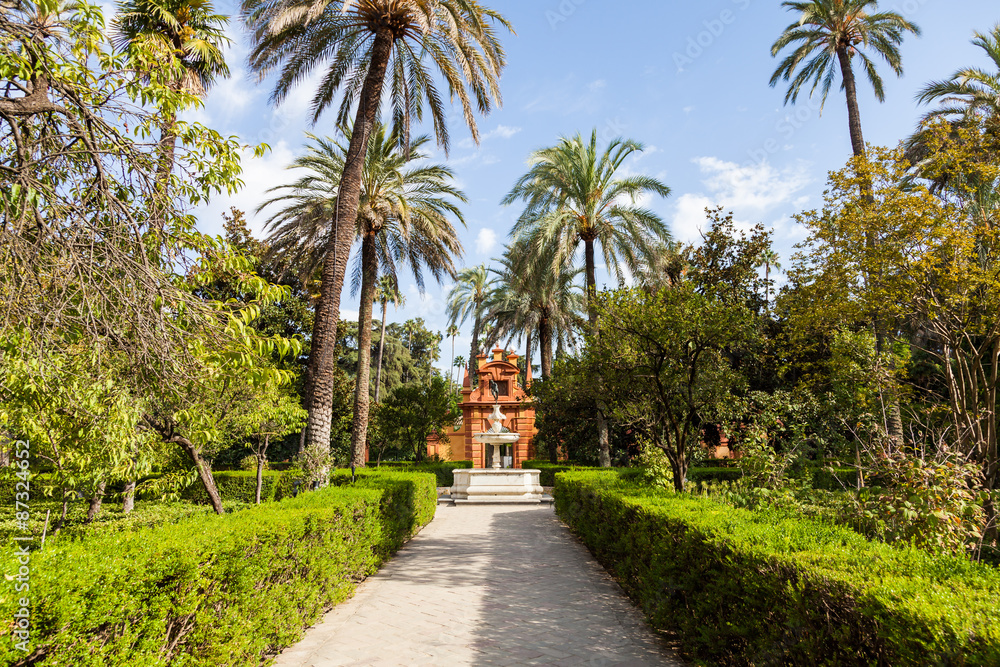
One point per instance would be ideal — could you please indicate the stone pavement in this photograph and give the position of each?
(485, 585)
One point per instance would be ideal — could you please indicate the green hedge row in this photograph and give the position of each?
(744, 588)
(241, 484)
(440, 469)
(713, 474)
(549, 470)
(210, 591)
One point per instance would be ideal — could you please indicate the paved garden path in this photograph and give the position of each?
(485, 585)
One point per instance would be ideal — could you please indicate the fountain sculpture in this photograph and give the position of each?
(496, 484)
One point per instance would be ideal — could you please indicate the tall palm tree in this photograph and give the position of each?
(769, 260)
(386, 291)
(830, 33)
(451, 332)
(185, 38)
(573, 194)
(367, 47)
(403, 217)
(466, 299)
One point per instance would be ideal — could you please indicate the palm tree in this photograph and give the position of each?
(366, 47)
(403, 216)
(458, 363)
(386, 291)
(451, 332)
(768, 259)
(531, 298)
(572, 195)
(466, 299)
(829, 29)
(185, 38)
(970, 91)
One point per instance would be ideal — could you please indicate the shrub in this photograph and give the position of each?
(211, 590)
(408, 502)
(716, 474)
(442, 470)
(835, 478)
(550, 470)
(744, 587)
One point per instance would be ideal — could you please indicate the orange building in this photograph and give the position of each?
(477, 404)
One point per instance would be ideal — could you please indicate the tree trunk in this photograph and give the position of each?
(261, 460)
(324, 339)
(95, 501)
(545, 345)
(603, 441)
(588, 253)
(167, 148)
(381, 347)
(851, 90)
(128, 501)
(166, 432)
(359, 430)
(451, 366)
(527, 357)
(474, 350)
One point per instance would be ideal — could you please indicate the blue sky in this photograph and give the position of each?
(689, 80)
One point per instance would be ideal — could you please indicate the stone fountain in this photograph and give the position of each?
(496, 484)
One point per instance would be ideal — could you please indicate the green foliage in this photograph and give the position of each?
(240, 485)
(409, 414)
(743, 587)
(215, 590)
(935, 505)
(409, 500)
(550, 470)
(442, 470)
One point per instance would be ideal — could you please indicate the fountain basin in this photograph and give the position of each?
(493, 485)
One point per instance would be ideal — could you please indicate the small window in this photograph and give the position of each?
(504, 387)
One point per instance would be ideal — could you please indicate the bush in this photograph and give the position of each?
(549, 470)
(211, 590)
(713, 474)
(835, 479)
(744, 587)
(408, 502)
(440, 469)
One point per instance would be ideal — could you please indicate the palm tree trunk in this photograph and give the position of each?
(545, 345)
(851, 90)
(324, 339)
(381, 347)
(359, 430)
(451, 365)
(527, 356)
(474, 350)
(588, 252)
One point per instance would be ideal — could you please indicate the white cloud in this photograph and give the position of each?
(754, 193)
(486, 241)
(504, 131)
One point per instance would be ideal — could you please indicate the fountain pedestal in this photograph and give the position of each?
(496, 484)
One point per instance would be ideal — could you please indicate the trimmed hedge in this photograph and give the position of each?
(549, 470)
(442, 470)
(408, 503)
(241, 484)
(745, 588)
(837, 480)
(713, 474)
(217, 590)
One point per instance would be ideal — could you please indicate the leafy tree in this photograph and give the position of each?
(841, 29)
(274, 413)
(662, 359)
(412, 412)
(403, 217)
(369, 47)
